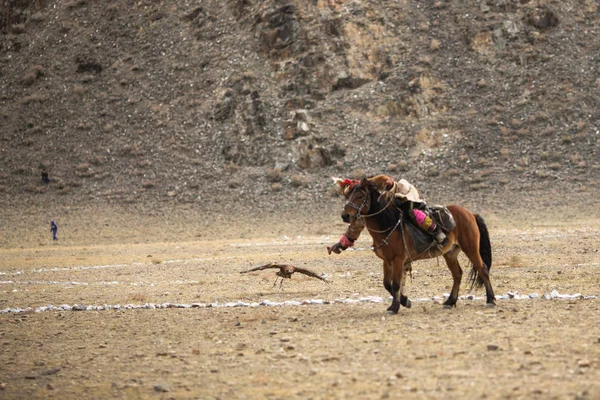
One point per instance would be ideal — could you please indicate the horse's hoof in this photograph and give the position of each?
(393, 309)
(448, 306)
(406, 303)
(490, 305)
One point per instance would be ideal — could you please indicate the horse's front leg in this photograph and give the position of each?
(387, 280)
(398, 276)
(404, 300)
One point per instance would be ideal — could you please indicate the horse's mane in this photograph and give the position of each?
(386, 214)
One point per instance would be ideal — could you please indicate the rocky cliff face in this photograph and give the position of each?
(174, 101)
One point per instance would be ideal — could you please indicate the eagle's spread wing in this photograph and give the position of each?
(310, 273)
(266, 266)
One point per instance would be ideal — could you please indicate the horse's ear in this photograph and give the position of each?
(364, 182)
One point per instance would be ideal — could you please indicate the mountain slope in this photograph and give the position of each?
(183, 101)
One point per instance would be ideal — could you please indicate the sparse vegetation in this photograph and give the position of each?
(273, 175)
(34, 98)
(139, 298)
(515, 261)
(299, 181)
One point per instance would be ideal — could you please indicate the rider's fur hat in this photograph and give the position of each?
(344, 185)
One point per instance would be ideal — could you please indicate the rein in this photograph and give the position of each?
(384, 242)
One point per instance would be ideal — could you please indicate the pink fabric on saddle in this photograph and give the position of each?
(419, 216)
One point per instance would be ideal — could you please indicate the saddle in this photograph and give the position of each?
(423, 240)
(442, 216)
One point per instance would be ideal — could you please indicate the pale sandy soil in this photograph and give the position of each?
(521, 349)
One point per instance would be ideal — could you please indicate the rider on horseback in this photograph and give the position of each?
(405, 196)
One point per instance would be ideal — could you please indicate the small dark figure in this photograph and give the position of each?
(286, 271)
(45, 179)
(54, 230)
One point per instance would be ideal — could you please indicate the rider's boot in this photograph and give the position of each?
(440, 237)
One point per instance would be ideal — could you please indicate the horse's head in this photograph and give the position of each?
(357, 200)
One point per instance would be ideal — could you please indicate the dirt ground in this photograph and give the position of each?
(529, 348)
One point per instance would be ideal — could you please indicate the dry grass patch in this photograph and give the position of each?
(543, 174)
(299, 181)
(34, 98)
(79, 90)
(486, 172)
(478, 186)
(432, 171)
(428, 138)
(273, 175)
(20, 171)
(84, 170)
(575, 158)
(138, 298)
(35, 189)
(555, 166)
(132, 150)
(452, 172)
(515, 261)
(98, 160)
(32, 75)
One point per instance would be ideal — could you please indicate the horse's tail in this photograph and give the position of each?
(485, 251)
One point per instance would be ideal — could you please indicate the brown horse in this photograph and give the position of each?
(393, 244)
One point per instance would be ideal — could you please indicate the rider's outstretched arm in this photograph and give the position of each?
(352, 233)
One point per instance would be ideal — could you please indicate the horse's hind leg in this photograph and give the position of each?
(482, 272)
(451, 258)
(404, 300)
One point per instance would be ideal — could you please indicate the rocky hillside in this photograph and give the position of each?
(177, 101)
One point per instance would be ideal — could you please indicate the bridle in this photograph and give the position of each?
(366, 202)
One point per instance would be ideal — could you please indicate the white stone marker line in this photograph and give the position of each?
(554, 295)
(133, 264)
(75, 283)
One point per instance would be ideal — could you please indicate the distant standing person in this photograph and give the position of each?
(54, 230)
(45, 178)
